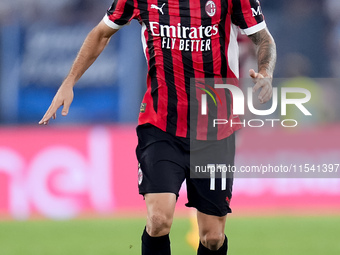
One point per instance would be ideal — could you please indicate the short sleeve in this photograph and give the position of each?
(247, 14)
(120, 13)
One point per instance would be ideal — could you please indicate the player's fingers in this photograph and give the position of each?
(66, 107)
(50, 112)
(252, 73)
(257, 79)
(259, 84)
(266, 94)
(269, 94)
(44, 121)
(45, 118)
(264, 87)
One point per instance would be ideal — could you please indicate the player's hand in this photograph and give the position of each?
(263, 82)
(64, 97)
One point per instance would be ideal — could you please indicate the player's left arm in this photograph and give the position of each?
(266, 59)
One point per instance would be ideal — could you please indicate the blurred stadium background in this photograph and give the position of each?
(71, 187)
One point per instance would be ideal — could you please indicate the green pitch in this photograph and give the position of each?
(255, 236)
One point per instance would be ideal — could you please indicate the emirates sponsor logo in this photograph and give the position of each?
(210, 8)
(180, 31)
(184, 38)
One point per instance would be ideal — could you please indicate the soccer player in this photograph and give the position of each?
(182, 41)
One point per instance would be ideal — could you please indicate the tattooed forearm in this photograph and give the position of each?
(266, 51)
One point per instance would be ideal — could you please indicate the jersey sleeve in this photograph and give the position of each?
(120, 13)
(247, 14)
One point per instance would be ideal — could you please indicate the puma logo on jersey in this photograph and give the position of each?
(153, 6)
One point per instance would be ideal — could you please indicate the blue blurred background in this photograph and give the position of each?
(39, 40)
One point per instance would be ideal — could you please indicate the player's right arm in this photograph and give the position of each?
(247, 14)
(92, 47)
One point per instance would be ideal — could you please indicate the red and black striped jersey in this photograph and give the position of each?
(186, 41)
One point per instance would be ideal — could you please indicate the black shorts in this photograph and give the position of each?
(164, 163)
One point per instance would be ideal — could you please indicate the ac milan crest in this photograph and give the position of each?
(210, 8)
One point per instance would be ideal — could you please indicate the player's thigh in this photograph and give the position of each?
(210, 224)
(160, 203)
(211, 230)
(160, 212)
